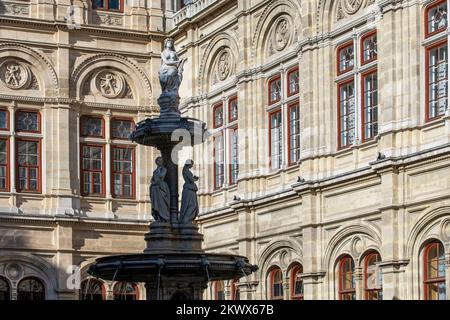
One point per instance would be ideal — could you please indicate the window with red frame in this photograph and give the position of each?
(437, 80)
(436, 18)
(92, 170)
(4, 120)
(346, 276)
(92, 290)
(434, 271)
(276, 140)
(276, 284)
(123, 171)
(293, 82)
(28, 121)
(369, 48)
(233, 110)
(219, 162)
(370, 105)
(219, 290)
(346, 58)
(109, 5)
(218, 116)
(121, 129)
(294, 133)
(31, 289)
(347, 114)
(92, 127)
(4, 164)
(373, 279)
(297, 292)
(28, 165)
(235, 292)
(125, 291)
(234, 165)
(275, 90)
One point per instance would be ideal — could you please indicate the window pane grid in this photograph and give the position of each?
(347, 281)
(276, 140)
(347, 114)
(121, 129)
(123, 172)
(293, 80)
(438, 81)
(92, 127)
(370, 49)
(27, 121)
(28, 166)
(434, 280)
(294, 134)
(274, 91)
(234, 156)
(346, 58)
(219, 165)
(3, 164)
(92, 170)
(437, 18)
(370, 106)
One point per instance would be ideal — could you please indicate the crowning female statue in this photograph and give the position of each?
(171, 73)
(189, 202)
(160, 193)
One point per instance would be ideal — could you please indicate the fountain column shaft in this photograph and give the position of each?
(172, 181)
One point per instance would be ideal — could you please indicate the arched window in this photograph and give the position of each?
(373, 287)
(219, 290)
(5, 294)
(276, 284)
(434, 271)
(346, 274)
(235, 292)
(30, 289)
(296, 283)
(125, 291)
(92, 290)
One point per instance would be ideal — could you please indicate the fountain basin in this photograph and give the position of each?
(148, 267)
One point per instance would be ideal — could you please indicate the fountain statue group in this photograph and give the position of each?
(160, 194)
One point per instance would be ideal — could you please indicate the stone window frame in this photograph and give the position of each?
(366, 261)
(133, 171)
(295, 270)
(341, 290)
(102, 194)
(427, 281)
(272, 273)
(38, 166)
(428, 8)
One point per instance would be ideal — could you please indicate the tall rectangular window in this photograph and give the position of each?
(437, 70)
(233, 110)
(219, 162)
(123, 172)
(276, 139)
(294, 133)
(346, 114)
(92, 170)
(234, 165)
(4, 120)
(28, 165)
(4, 167)
(370, 105)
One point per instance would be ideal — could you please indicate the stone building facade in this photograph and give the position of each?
(327, 162)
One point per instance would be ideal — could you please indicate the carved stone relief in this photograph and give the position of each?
(223, 66)
(107, 83)
(347, 8)
(280, 36)
(16, 75)
(15, 9)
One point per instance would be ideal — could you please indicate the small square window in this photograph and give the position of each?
(4, 120)
(346, 58)
(369, 47)
(233, 110)
(436, 18)
(122, 129)
(28, 121)
(275, 90)
(218, 116)
(293, 81)
(92, 127)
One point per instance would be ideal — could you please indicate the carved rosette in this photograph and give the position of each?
(15, 75)
(352, 6)
(109, 84)
(223, 66)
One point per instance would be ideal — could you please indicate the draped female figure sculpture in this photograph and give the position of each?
(171, 73)
(189, 202)
(160, 194)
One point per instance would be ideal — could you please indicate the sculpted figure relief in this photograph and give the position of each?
(171, 73)
(223, 67)
(160, 193)
(189, 202)
(15, 75)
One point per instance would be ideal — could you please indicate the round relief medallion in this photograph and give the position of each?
(357, 246)
(445, 230)
(352, 6)
(15, 75)
(14, 271)
(110, 84)
(281, 37)
(224, 65)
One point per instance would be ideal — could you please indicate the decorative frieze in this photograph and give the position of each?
(108, 19)
(14, 9)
